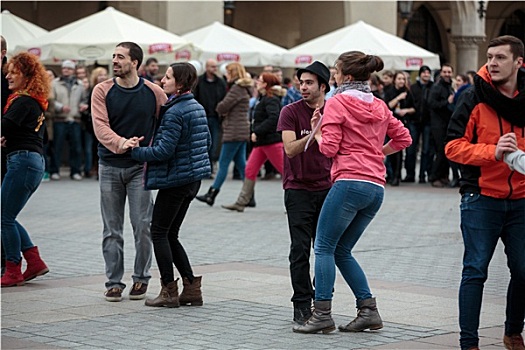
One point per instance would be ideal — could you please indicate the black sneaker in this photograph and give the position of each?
(113, 294)
(138, 291)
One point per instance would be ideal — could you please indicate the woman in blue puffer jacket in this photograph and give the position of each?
(176, 162)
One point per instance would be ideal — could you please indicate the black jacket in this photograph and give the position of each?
(209, 94)
(420, 94)
(265, 118)
(440, 112)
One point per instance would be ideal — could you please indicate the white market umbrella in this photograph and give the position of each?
(17, 30)
(226, 44)
(397, 53)
(95, 37)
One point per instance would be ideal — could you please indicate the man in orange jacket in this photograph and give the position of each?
(487, 123)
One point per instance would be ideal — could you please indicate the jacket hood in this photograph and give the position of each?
(244, 82)
(483, 72)
(361, 105)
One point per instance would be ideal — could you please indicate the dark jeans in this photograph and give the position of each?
(72, 131)
(170, 209)
(303, 209)
(484, 220)
(440, 168)
(417, 131)
(214, 125)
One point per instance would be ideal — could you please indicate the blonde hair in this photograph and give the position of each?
(236, 70)
(93, 79)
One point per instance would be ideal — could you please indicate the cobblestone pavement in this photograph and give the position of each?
(411, 253)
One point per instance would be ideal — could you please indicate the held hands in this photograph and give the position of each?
(132, 142)
(506, 143)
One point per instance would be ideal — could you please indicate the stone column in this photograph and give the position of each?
(467, 50)
(467, 31)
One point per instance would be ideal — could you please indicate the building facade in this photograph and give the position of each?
(457, 30)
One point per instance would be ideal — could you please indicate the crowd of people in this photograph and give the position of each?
(336, 136)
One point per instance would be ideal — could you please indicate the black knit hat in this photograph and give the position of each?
(424, 69)
(319, 69)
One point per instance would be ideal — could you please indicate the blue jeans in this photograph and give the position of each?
(24, 173)
(484, 220)
(235, 151)
(115, 185)
(71, 131)
(348, 209)
(418, 130)
(214, 124)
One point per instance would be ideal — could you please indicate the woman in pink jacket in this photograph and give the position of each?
(352, 133)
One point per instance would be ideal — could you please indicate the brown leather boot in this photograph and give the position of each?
(244, 197)
(35, 265)
(191, 293)
(367, 317)
(168, 296)
(321, 320)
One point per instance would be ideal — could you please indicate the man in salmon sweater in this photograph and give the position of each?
(487, 123)
(124, 107)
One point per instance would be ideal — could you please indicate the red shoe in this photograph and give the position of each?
(35, 265)
(13, 275)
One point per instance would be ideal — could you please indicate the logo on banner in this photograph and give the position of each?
(160, 47)
(228, 57)
(303, 59)
(35, 51)
(414, 62)
(182, 55)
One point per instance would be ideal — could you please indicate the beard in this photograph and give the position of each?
(122, 72)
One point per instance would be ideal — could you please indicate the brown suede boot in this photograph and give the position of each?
(191, 293)
(168, 296)
(367, 317)
(513, 342)
(244, 197)
(321, 320)
(35, 265)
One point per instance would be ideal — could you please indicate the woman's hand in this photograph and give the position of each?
(2, 141)
(254, 137)
(401, 96)
(132, 142)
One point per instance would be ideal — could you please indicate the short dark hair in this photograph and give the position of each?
(151, 60)
(446, 65)
(135, 51)
(184, 74)
(359, 65)
(516, 45)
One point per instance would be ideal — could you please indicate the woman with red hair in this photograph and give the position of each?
(267, 141)
(22, 138)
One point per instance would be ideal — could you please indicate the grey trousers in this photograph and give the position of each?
(115, 185)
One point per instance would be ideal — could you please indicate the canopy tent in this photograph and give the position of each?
(395, 52)
(226, 44)
(95, 37)
(17, 30)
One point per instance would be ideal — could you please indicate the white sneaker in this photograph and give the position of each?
(76, 177)
(55, 177)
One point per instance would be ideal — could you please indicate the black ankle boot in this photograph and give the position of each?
(209, 198)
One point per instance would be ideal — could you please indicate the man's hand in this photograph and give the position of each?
(2, 141)
(506, 143)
